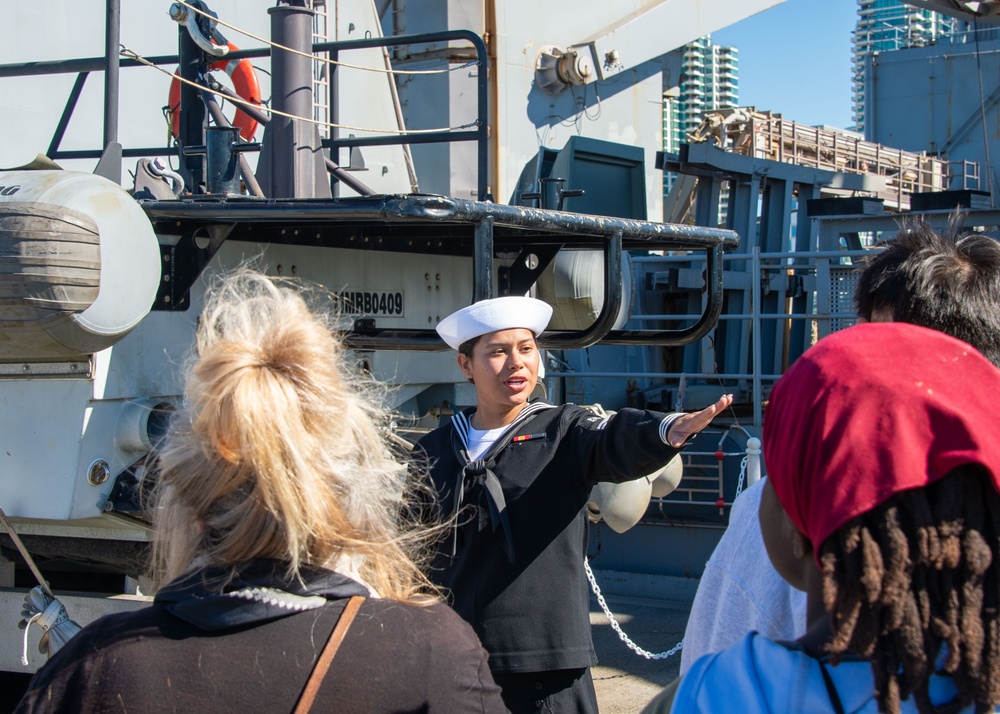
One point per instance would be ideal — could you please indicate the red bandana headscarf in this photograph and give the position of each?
(872, 411)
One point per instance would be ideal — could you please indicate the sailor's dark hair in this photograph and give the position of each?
(466, 347)
(948, 282)
(913, 586)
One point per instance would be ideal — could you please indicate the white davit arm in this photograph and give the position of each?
(644, 34)
(180, 15)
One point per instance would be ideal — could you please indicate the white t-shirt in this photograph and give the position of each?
(740, 591)
(480, 441)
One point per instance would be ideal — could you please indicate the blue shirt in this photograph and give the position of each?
(759, 675)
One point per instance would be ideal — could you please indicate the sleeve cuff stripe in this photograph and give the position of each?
(665, 426)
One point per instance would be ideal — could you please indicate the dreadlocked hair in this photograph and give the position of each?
(913, 586)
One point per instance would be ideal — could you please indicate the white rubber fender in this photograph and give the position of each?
(667, 479)
(620, 505)
(574, 286)
(109, 249)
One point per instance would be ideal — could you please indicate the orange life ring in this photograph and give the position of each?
(244, 79)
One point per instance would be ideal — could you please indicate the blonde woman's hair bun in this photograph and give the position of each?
(279, 451)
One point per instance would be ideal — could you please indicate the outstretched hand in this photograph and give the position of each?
(684, 427)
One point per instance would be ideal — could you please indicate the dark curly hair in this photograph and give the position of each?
(948, 282)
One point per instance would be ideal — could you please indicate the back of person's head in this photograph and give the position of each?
(914, 586)
(948, 282)
(278, 451)
(881, 446)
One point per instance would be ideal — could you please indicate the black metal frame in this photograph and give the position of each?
(438, 225)
(112, 64)
(480, 134)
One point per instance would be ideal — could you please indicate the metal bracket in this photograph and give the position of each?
(518, 278)
(184, 262)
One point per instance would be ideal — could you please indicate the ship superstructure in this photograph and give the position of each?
(412, 157)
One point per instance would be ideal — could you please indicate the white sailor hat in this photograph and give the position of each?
(485, 316)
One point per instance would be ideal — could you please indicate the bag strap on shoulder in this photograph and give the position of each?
(319, 669)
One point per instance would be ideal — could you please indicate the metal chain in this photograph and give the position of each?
(617, 628)
(607, 610)
(743, 473)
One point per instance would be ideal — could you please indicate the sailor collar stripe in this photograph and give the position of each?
(462, 425)
(481, 469)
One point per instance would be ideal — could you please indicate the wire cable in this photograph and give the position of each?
(130, 54)
(982, 111)
(313, 57)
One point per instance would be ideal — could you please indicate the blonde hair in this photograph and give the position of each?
(278, 450)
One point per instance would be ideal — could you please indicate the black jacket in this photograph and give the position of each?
(395, 657)
(532, 614)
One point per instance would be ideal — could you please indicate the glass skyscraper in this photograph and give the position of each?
(707, 80)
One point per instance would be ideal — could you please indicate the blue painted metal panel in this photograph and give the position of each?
(928, 99)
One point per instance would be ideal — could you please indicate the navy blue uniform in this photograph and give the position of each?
(521, 584)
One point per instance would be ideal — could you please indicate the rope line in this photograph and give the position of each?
(130, 54)
(327, 60)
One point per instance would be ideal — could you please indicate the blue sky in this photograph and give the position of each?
(795, 60)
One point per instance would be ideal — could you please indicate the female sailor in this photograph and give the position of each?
(518, 474)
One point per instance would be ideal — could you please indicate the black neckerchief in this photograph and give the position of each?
(479, 473)
(259, 591)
